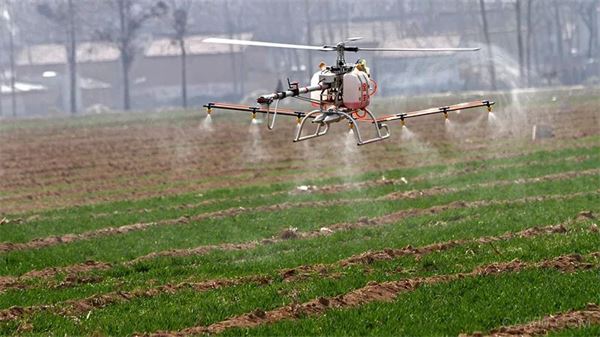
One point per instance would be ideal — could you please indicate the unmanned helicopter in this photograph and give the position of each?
(341, 92)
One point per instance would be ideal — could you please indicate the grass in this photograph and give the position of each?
(213, 306)
(255, 226)
(466, 223)
(77, 220)
(472, 304)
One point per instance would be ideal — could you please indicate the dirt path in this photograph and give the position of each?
(557, 322)
(110, 231)
(373, 292)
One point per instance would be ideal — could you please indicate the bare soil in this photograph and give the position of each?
(50, 167)
(72, 275)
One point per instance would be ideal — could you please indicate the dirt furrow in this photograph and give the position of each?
(561, 321)
(370, 257)
(82, 306)
(109, 231)
(72, 275)
(373, 292)
(361, 223)
(85, 305)
(334, 188)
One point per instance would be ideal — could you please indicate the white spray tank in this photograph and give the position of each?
(356, 90)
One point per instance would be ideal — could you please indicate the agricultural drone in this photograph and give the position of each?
(340, 92)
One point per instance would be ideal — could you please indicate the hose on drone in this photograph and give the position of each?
(271, 123)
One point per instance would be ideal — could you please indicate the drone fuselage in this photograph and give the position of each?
(341, 86)
(339, 93)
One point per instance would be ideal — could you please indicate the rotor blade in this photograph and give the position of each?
(265, 44)
(354, 38)
(420, 49)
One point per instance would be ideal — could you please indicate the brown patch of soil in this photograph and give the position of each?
(201, 250)
(586, 215)
(561, 321)
(72, 269)
(72, 275)
(82, 306)
(372, 292)
(58, 165)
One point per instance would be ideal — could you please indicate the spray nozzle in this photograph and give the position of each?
(446, 115)
(489, 105)
(208, 111)
(350, 126)
(298, 120)
(254, 115)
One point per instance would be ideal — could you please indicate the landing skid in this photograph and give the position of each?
(323, 119)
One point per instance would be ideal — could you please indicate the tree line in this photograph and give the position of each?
(550, 35)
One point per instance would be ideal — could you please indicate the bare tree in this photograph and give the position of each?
(559, 34)
(62, 14)
(520, 41)
(179, 21)
(529, 40)
(488, 43)
(589, 14)
(8, 18)
(309, 42)
(133, 14)
(231, 27)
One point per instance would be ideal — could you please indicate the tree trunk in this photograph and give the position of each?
(309, 61)
(72, 59)
(520, 42)
(13, 75)
(596, 24)
(593, 39)
(328, 18)
(488, 42)
(230, 32)
(184, 98)
(125, 62)
(529, 40)
(124, 47)
(559, 38)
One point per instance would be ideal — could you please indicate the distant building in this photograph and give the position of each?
(214, 71)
